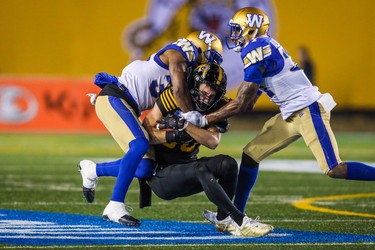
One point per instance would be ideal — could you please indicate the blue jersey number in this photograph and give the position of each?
(156, 89)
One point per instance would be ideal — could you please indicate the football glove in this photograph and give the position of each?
(195, 118)
(92, 98)
(172, 122)
(178, 136)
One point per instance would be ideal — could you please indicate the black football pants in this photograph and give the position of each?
(216, 176)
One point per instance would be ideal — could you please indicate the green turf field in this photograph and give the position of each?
(38, 172)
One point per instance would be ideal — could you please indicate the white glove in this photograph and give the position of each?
(92, 98)
(195, 118)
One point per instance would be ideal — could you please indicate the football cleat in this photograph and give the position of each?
(220, 225)
(116, 212)
(210, 216)
(89, 179)
(249, 228)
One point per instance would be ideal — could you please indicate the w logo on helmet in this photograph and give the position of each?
(256, 19)
(207, 37)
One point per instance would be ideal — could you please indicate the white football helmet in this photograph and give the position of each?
(209, 46)
(247, 24)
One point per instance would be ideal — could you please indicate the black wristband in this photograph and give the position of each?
(177, 136)
(170, 136)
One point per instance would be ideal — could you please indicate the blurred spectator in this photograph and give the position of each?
(305, 62)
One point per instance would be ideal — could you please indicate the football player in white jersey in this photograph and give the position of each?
(120, 103)
(304, 111)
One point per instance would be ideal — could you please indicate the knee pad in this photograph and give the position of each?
(200, 168)
(203, 173)
(229, 165)
(248, 162)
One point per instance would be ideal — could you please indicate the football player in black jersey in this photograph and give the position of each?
(179, 172)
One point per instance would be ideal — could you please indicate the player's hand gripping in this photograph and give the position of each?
(195, 118)
(172, 122)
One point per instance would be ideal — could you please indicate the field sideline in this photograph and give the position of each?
(39, 174)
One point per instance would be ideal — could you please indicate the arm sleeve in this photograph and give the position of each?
(166, 102)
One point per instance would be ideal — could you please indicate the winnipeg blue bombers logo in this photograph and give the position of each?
(256, 55)
(256, 19)
(207, 37)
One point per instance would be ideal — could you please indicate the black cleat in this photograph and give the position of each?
(86, 168)
(126, 220)
(89, 194)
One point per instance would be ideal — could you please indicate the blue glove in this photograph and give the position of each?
(196, 118)
(102, 79)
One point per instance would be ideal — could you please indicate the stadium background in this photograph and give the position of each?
(50, 51)
(54, 48)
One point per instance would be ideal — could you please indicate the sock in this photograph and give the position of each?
(144, 169)
(246, 180)
(360, 171)
(108, 168)
(128, 167)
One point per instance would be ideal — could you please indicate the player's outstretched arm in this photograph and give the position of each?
(244, 101)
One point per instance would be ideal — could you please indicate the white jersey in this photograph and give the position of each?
(283, 81)
(145, 80)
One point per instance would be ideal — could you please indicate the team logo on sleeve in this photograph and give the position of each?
(256, 55)
(186, 47)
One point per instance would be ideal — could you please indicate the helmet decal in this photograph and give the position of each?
(208, 45)
(256, 19)
(207, 37)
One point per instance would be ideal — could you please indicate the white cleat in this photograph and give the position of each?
(249, 227)
(210, 216)
(220, 225)
(89, 179)
(116, 212)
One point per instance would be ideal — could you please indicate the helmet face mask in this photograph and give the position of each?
(205, 97)
(207, 84)
(209, 46)
(246, 25)
(212, 56)
(235, 41)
